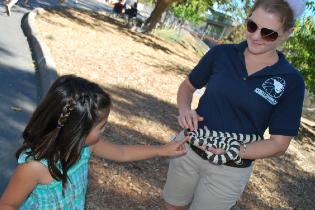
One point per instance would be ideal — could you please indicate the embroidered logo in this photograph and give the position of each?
(273, 88)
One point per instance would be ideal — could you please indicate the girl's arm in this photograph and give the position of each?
(125, 153)
(22, 183)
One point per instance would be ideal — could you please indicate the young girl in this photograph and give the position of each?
(58, 141)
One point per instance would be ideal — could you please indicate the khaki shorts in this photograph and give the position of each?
(202, 185)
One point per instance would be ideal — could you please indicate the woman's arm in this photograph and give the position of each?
(125, 153)
(187, 118)
(23, 181)
(275, 146)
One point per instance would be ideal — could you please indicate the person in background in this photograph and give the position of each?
(9, 4)
(118, 8)
(132, 14)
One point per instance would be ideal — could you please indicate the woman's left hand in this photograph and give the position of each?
(216, 151)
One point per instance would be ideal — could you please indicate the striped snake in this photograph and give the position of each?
(230, 142)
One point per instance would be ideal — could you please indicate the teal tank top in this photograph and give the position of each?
(49, 196)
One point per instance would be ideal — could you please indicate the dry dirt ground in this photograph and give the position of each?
(142, 73)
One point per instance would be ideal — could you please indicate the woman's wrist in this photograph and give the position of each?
(243, 149)
(184, 109)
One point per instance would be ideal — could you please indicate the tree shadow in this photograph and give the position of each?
(171, 67)
(143, 105)
(101, 197)
(150, 41)
(68, 13)
(305, 137)
(297, 185)
(293, 184)
(18, 100)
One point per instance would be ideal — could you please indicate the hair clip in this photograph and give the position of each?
(297, 6)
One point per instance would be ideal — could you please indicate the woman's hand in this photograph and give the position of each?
(216, 151)
(173, 148)
(189, 119)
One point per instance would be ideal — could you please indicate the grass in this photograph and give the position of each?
(184, 38)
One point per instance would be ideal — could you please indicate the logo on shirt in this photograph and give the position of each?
(272, 89)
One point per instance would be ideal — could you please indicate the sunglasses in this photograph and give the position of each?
(266, 33)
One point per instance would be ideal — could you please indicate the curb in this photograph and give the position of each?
(45, 66)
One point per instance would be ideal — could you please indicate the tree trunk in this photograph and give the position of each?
(161, 6)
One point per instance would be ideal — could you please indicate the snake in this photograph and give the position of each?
(230, 142)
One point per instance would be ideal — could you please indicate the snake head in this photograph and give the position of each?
(186, 132)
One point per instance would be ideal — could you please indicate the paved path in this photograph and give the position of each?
(19, 91)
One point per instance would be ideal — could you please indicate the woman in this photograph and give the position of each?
(249, 86)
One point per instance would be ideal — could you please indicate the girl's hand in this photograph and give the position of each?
(173, 148)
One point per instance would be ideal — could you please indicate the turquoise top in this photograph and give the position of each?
(49, 196)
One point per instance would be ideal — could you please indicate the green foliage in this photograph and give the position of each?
(300, 50)
(149, 2)
(192, 11)
(241, 12)
(311, 5)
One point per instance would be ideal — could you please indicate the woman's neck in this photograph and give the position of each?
(256, 62)
(268, 58)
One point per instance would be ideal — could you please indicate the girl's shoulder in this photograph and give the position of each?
(36, 169)
(30, 172)
(25, 158)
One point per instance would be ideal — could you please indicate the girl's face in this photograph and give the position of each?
(263, 19)
(93, 136)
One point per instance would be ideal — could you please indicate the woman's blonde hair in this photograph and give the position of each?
(279, 7)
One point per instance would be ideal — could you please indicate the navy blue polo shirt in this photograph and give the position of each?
(237, 102)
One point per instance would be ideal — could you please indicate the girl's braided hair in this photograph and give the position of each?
(60, 124)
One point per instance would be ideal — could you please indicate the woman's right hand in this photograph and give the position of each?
(189, 119)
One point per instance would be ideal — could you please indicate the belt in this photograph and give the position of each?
(245, 162)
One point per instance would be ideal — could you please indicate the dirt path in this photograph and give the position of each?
(142, 73)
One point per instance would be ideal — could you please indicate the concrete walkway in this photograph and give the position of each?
(19, 89)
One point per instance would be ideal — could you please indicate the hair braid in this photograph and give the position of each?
(66, 110)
